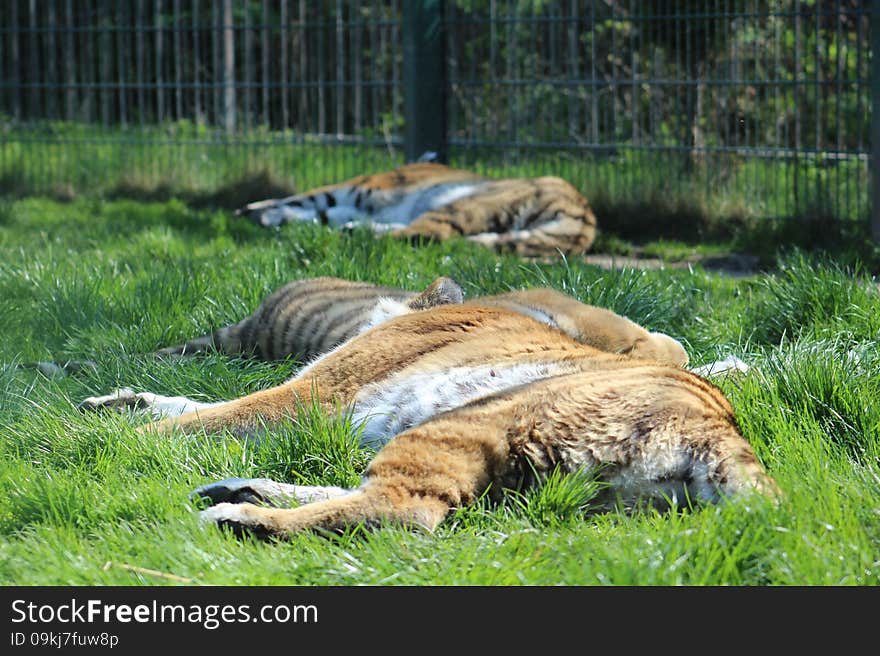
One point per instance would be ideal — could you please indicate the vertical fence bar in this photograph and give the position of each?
(178, 65)
(285, 87)
(51, 59)
(322, 77)
(16, 62)
(303, 92)
(90, 101)
(875, 121)
(228, 69)
(123, 38)
(375, 67)
(196, 86)
(137, 25)
(357, 53)
(424, 79)
(33, 62)
(106, 60)
(339, 54)
(158, 54)
(265, 35)
(215, 79)
(248, 69)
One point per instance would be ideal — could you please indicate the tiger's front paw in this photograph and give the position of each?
(121, 400)
(235, 490)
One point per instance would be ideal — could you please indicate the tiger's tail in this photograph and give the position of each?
(226, 340)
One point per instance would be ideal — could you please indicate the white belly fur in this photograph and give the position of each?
(407, 399)
(402, 209)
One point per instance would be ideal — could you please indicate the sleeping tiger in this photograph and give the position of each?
(528, 216)
(464, 400)
(307, 317)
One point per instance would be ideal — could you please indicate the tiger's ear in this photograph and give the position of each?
(443, 291)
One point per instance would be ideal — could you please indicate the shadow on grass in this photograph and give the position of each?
(627, 225)
(249, 187)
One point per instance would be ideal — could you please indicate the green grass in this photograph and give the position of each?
(113, 280)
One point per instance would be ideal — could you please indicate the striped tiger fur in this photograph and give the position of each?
(310, 316)
(528, 216)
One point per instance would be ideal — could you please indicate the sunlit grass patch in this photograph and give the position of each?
(112, 281)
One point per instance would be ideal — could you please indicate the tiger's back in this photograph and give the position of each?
(588, 324)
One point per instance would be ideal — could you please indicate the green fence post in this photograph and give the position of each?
(424, 79)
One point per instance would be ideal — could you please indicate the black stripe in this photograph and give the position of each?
(451, 218)
(496, 224)
(316, 334)
(276, 303)
(344, 326)
(282, 349)
(296, 315)
(292, 338)
(709, 394)
(350, 320)
(288, 296)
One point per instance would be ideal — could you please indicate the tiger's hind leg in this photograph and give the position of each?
(564, 234)
(359, 507)
(415, 480)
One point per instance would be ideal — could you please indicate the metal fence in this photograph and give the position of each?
(743, 105)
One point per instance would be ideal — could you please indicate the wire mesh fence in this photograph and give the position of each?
(765, 103)
(761, 106)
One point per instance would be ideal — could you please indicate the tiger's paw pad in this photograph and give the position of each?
(233, 491)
